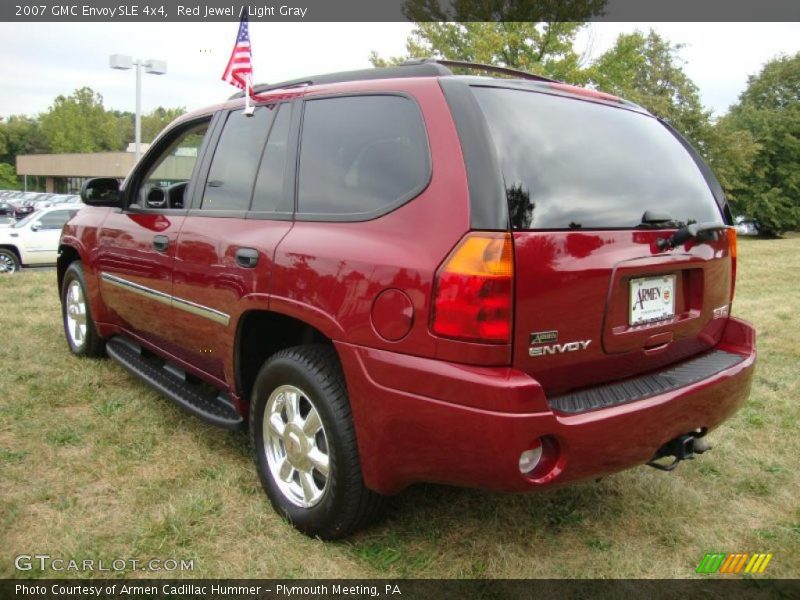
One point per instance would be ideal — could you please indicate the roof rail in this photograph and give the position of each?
(416, 67)
(417, 70)
(463, 64)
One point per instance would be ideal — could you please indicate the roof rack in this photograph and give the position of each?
(417, 70)
(418, 67)
(464, 64)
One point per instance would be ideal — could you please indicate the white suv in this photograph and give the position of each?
(34, 239)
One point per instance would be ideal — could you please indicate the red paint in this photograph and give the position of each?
(392, 315)
(578, 284)
(124, 248)
(408, 437)
(206, 273)
(429, 407)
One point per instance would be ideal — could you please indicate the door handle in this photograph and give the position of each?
(247, 257)
(161, 243)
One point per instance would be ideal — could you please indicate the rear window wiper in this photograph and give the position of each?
(686, 233)
(652, 219)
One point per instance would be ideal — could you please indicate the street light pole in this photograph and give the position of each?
(138, 118)
(152, 66)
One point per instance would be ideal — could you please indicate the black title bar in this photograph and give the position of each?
(399, 10)
(398, 589)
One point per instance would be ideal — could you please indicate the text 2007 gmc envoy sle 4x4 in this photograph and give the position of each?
(401, 275)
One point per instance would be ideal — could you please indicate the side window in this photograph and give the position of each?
(55, 219)
(270, 195)
(360, 155)
(233, 168)
(164, 184)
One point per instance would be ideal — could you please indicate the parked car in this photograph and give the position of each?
(67, 199)
(6, 209)
(44, 201)
(22, 208)
(402, 275)
(34, 240)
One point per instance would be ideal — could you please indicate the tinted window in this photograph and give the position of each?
(360, 155)
(233, 168)
(569, 163)
(56, 219)
(269, 193)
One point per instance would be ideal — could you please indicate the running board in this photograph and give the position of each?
(213, 407)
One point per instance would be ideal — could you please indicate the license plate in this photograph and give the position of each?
(652, 299)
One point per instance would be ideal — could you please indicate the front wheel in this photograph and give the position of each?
(9, 263)
(79, 328)
(304, 444)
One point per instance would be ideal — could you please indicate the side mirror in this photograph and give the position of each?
(101, 191)
(36, 226)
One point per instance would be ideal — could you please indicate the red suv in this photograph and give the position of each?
(402, 275)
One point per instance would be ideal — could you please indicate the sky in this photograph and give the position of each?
(66, 56)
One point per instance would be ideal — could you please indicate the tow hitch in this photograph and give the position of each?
(683, 447)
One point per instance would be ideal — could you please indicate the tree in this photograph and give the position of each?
(646, 69)
(152, 123)
(730, 154)
(769, 111)
(20, 135)
(534, 36)
(8, 177)
(80, 123)
(124, 122)
(157, 120)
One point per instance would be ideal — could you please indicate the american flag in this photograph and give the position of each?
(239, 71)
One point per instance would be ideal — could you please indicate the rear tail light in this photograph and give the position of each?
(473, 290)
(733, 251)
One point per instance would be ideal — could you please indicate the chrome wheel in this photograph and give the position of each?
(76, 313)
(7, 264)
(296, 446)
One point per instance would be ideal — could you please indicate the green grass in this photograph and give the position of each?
(94, 465)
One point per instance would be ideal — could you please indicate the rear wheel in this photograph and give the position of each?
(304, 444)
(79, 328)
(9, 263)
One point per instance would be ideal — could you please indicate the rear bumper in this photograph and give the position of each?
(423, 420)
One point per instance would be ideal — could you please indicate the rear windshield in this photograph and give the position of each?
(572, 164)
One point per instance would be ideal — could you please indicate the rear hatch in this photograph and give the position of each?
(596, 297)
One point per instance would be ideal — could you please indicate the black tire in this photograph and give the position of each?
(9, 261)
(89, 343)
(345, 504)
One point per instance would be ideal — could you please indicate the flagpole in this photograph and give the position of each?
(248, 110)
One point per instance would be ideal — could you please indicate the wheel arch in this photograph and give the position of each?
(66, 256)
(261, 333)
(13, 249)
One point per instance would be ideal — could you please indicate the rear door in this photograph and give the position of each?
(596, 299)
(242, 208)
